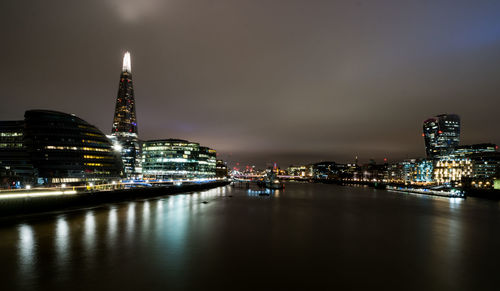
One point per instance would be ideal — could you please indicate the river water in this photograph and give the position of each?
(306, 237)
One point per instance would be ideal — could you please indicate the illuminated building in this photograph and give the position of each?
(485, 170)
(63, 148)
(423, 171)
(441, 134)
(465, 150)
(125, 122)
(485, 161)
(16, 169)
(177, 159)
(416, 171)
(302, 171)
(395, 173)
(207, 162)
(324, 170)
(450, 171)
(221, 169)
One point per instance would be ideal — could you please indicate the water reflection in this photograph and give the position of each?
(178, 240)
(112, 227)
(455, 202)
(62, 241)
(26, 249)
(89, 238)
(145, 216)
(130, 220)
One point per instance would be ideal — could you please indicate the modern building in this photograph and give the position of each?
(125, 122)
(207, 162)
(451, 171)
(465, 150)
(221, 169)
(417, 171)
(395, 173)
(61, 148)
(481, 166)
(16, 169)
(324, 170)
(177, 159)
(441, 134)
(300, 171)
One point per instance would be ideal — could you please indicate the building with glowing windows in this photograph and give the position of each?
(221, 169)
(16, 168)
(125, 122)
(302, 171)
(441, 134)
(207, 162)
(61, 148)
(177, 159)
(451, 171)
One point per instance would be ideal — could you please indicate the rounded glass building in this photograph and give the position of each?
(66, 149)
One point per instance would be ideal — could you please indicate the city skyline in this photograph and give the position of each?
(307, 96)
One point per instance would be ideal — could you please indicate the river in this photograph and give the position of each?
(305, 237)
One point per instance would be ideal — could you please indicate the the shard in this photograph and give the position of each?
(124, 129)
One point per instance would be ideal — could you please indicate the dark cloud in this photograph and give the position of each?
(260, 81)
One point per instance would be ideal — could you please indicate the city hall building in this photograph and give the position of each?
(50, 147)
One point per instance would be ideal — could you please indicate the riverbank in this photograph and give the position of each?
(33, 205)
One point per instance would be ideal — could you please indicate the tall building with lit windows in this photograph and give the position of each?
(441, 134)
(125, 122)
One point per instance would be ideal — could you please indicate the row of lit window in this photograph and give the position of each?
(11, 145)
(77, 148)
(11, 134)
(97, 157)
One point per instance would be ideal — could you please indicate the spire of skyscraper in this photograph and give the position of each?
(127, 67)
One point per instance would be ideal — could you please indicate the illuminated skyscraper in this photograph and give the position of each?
(125, 122)
(441, 134)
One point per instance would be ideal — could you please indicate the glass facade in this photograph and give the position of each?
(125, 122)
(441, 134)
(16, 169)
(221, 169)
(61, 148)
(177, 159)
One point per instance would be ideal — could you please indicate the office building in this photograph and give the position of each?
(441, 134)
(177, 159)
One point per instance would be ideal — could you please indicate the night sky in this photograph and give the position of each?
(262, 80)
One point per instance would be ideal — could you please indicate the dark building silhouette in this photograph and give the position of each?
(441, 134)
(61, 148)
(16, 169)
(125, 122)
(221, 169)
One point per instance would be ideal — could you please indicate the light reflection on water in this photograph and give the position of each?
(26, 248)
(112, 227)
(131, 222)
(89, 232)
(62, 242)
(178, 240)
